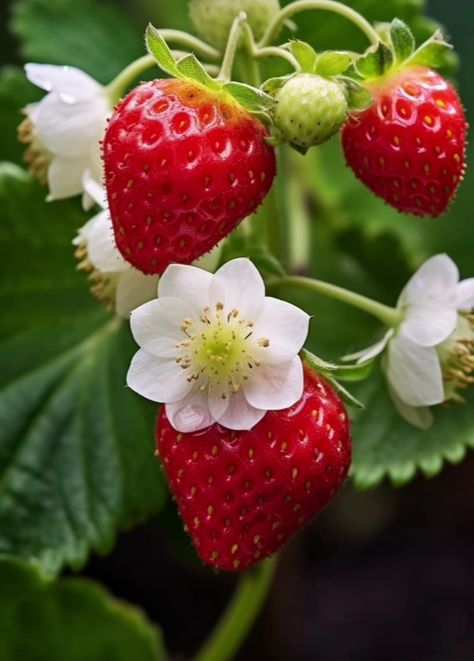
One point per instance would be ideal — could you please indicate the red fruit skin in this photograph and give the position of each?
(243, 494)
(409, 146)
(183, 166)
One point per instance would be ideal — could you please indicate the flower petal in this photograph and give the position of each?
(414, 372)
(420, 416)
(133, 289)
(238, 284)
(158, 379)
(240, 415)
(218, 404)
(373, 351)
(434, 282)
(156, 326)
(65, 177)
(275, 387)
(465, 294)
(69, 81)
(101, 248)
(69, 130)
(428, 325)
(191, 413)
(188, 283)
(286, 328)
(95, 190)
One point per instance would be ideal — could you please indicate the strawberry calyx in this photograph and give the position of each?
(334, 373)
(188, 68)
(396, 51)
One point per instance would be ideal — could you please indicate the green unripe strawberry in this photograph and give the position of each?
(310, 109)
(213, 18)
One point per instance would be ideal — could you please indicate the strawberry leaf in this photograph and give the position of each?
(272, 85)
(304, 54)
(160, 51)
(93, 36)
(387, 446)
(72, 619)
(76, 447)
(432, 53)
(332, 63)
(376, 62)
(402, 39)
(249, 97)
(190, 67)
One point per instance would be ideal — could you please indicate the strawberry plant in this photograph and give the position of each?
(207, 316)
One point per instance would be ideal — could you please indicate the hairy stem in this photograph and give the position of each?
(328, 5)
(386, 314)
(240, 614)
(225, 73)
(125, 78)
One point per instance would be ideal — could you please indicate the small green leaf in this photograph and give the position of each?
(432, 53)
(305, 55)
(159, 50)
(331, 374)
(402, 39)
(272, 85)
(190, 67)
(358, 96)
(376, 61)
(249, 97)
(72, 620)
(332, 63)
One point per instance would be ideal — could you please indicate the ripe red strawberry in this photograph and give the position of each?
(243, 494)
(409, 145)
(183, 166)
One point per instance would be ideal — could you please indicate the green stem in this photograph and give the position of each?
(240, 614)
(269, 51)
(328, 5)
(387, 315)
(225, 73)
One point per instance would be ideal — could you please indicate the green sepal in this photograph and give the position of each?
(377, 61)
(272, 85)
(431, 53)
(358, 96)
(160, 51)
(332, 63)
(333, 373)
(251, 98)
(403, 41)
(304, 54)
(190, 67)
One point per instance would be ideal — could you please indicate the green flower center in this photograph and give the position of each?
(219, 349)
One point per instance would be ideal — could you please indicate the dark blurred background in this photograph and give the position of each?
(380, 576)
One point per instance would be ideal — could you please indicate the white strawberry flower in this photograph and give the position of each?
(65, 127)
(419, 353)
(114, 281)
(214, 348)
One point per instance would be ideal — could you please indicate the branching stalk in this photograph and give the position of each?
(387, 315)
(328, 5)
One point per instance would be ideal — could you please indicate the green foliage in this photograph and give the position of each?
(92, 36)
(73, 620)
(402, 39)
(387, 446)
(76, 447)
